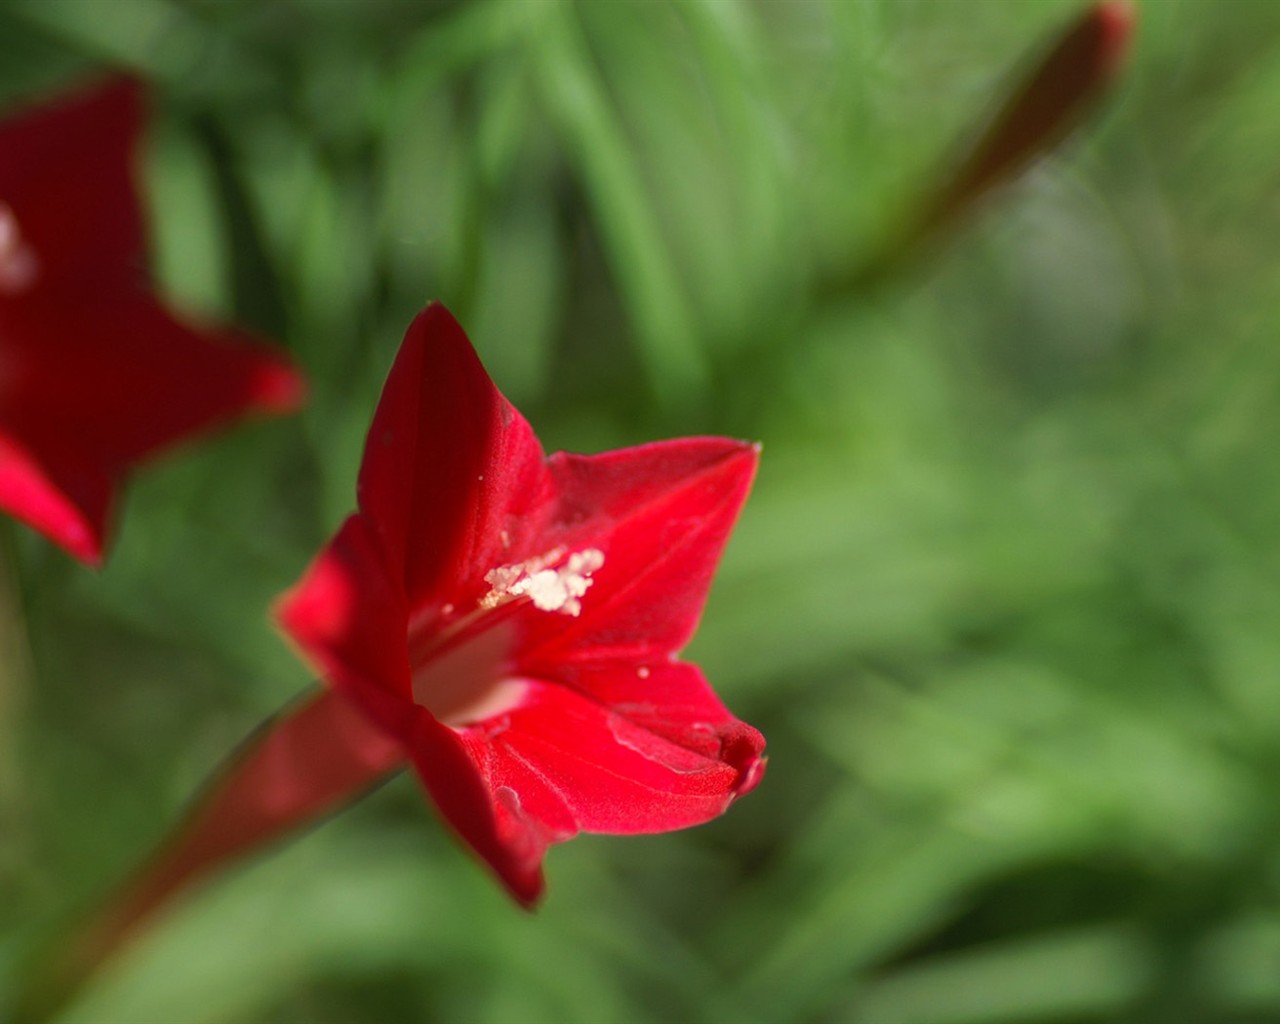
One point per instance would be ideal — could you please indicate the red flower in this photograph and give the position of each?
(95, 374)
(511, 621)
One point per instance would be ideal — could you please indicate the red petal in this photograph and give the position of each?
(114, 377)
(455, 769)
(58, 494)
(673, 701)
(608, 773)
(449, 465)
(661, 513)
(66, 172)
(563, 763)
(348, 616)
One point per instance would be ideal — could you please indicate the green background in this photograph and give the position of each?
(1005, 600)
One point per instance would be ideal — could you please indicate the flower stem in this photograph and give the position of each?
(302, 764)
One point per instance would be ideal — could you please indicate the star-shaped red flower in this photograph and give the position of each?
(95, 374)
(511, 621)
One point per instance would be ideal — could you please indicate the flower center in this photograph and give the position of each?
(460, 663)
(550, 590)
(18, 264)
(466, 683)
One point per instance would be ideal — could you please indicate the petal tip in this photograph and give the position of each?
(92, 556)
(277, 387)
(435, 316)
(87, 549)
(528, 891)
(72, 508)
(318, 604)
(742, 749)
(1114, 21)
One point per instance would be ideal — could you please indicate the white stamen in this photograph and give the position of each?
(550, 590)
(18, 263)
(501, 580)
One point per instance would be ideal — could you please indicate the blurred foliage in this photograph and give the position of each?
(1006, 600)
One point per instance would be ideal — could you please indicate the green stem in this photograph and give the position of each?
(301, 765)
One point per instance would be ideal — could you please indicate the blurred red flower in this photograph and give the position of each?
(510, 621)
(95, 374)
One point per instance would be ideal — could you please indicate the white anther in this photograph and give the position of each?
(551, 590)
